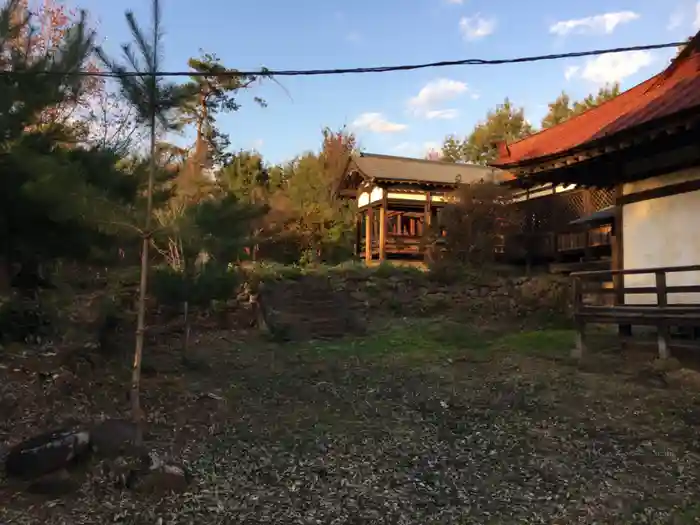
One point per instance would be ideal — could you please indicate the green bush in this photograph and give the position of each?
(168, 286)
(211, 283)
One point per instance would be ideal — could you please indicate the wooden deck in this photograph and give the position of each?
(398, 245)
(602, 297)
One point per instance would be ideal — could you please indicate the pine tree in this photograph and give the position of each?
(48, 193)
(154, 101)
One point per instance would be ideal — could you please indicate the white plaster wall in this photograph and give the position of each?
(418, 197)
(542, 191)
(376, 194)
(662, 232)
(363, 199)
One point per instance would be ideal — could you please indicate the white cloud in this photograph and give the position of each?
(571, 71)
(353, 36)
(605, 23)
(442, 114)
(476, 27)
(675, 20)
(258, 144)
(696, 22)
(377, 123)
(613, 67)
(435, 93)
(455, 2)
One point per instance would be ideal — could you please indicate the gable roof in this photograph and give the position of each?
(388, 168)
(672, 92)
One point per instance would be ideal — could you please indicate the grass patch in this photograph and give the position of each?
(438, 339)
(549, 343)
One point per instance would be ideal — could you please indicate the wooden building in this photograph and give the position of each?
(643, 145)
(398, 198)
(564, 226)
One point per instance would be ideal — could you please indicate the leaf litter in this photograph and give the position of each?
(312, 434)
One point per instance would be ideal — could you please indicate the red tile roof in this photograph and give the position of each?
(674, 90)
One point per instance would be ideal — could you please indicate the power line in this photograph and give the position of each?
(360, 70)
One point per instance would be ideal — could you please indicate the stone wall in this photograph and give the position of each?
(412, 294)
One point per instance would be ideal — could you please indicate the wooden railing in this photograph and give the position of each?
(548, 244)
(575, 241)
(397, 244)
(606, 302)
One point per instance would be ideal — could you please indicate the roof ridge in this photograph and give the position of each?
(588, 111)
(426, 161)
(602, 120)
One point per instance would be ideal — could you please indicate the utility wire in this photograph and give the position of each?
(356, 70)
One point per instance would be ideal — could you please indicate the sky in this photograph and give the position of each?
(402, 113)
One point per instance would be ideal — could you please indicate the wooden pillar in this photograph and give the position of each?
(618, 261)
(428, 210)
(368, 235)
(662, 301)
(383, 226)
(529, 235)
(580, 348)
(587, 210)
(399, 223)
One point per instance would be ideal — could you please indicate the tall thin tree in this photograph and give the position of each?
(153, 100)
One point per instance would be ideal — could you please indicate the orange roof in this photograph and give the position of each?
(674, 90)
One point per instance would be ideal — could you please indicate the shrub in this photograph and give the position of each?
(475, 223)
(24, 321)
(210, 283)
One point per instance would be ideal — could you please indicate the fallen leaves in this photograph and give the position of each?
(298, 435)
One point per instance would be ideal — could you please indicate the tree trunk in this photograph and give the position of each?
(137, 412)
(186, 342)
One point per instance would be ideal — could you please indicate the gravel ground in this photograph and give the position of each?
(317, 435)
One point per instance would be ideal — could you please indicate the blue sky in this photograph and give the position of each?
(402, 113)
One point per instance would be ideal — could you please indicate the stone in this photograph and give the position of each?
(123, 471)
(47, 453)
(160, 477)
(167, 478)
(113, 437)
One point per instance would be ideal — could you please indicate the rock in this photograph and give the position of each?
(167, 478)
(47, 453)
(123, 471)
(113, 437)
(159, 477)
(670, 364)
(57, 483)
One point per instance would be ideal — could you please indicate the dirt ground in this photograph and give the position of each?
(418, 422)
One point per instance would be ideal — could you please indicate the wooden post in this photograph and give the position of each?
(618, 263)
(528, 234)
(426, 224)
(368, 235)
(382, 227)
(428, 209)
(662, 301)
(580, 348)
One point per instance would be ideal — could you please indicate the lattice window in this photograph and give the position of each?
(572, 205)
(602, 199)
